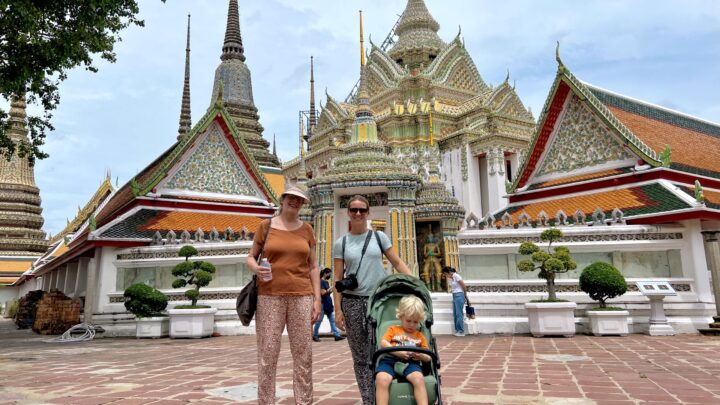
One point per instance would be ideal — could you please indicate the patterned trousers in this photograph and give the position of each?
(273, 314)
(357, 330)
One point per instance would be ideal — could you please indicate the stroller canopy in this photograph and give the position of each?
(396, 285)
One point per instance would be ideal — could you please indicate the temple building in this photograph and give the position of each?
(211, 188)
(420, 108)
(22, 240)
(629, 183)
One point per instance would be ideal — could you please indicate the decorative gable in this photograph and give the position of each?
(581, 141)
(211, 167)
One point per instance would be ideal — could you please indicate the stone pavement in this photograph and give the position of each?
(583, 370)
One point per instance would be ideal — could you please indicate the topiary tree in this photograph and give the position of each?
(196, 273)
(549, 263)
(602, 281)
(144, 301)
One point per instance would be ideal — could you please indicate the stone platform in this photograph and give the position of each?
(518, 369)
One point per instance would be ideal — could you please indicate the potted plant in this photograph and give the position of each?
(602, 281)
(147, 304)
(192, 321)
(551, 316)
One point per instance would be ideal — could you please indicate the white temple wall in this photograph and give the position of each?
(695, 263)
(451, 175)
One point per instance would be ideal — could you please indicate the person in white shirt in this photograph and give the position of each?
(460, 298)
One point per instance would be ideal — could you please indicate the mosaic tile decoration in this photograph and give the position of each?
(581, 141)
(213, 168)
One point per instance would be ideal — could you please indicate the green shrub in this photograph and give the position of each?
(144, 301)
(550, 262)
(14, 308)
(602, 281)
(196, 273)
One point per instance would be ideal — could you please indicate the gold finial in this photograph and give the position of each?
(362, 42)
(507, 77)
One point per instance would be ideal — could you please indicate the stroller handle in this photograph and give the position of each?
(386, 350)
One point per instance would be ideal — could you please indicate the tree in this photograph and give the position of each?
(40, 41)
(197, 273)
(549, 263)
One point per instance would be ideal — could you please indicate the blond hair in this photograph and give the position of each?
(411, 307)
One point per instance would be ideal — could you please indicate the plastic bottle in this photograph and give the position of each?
(265, 263)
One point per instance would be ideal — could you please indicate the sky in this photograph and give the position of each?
(121, 118)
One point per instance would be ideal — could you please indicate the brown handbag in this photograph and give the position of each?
(246, 303)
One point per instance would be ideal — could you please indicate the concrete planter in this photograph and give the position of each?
(551, 318)
(152, 327)
(192, 323)
(609, 322)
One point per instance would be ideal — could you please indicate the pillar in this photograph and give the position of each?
(92, 287)
(712, 249)
(401, 228)
(472, 200)
(323, 205)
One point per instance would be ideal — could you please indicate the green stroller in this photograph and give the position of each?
(381, 315)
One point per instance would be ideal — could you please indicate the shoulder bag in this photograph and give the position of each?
(246, 303)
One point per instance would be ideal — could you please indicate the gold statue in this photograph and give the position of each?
(432, 270)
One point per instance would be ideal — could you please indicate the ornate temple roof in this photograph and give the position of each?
(636, 201)
(417, 33)
(177, 160)
(233, 82)
(144, 223)
(104, 191)
(694, 143)
(598, 154)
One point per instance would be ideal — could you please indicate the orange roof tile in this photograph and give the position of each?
(8, 280)
(689, 148)
(277, 182)
(637, 200)
(186, 220)
(14, 266)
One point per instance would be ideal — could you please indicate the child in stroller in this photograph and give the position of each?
(411, 313)
(407, 372)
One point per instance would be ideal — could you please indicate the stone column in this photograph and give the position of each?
(92, 287)
(450, 228)
(323, 205)
(401, 227)
(712, 250)
(472, 200)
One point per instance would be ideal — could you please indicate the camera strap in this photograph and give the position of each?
(367, 241)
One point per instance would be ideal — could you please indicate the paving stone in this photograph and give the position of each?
(585, 370)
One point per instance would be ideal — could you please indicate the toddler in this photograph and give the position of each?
(411, 313)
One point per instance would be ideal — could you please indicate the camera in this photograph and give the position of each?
(348, 283)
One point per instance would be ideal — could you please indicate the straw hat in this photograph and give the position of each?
(296, 191)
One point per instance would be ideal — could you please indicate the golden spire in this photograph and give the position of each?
(362, 42)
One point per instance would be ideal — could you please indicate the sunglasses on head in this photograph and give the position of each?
(358, 210)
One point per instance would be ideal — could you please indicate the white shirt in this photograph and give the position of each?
(455, 283)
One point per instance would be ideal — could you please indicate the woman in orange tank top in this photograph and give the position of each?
(288, 296)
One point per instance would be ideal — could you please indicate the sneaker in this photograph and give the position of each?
(316, 338)
(339, 338)
(459, 334)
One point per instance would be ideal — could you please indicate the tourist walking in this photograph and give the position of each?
(327, 305)
(359, 256)
(288, 296)
(459, 299)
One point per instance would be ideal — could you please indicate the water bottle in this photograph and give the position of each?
(265, 263)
